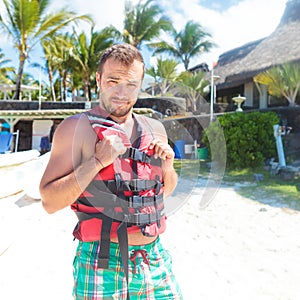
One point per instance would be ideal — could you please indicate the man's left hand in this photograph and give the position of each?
(162, 150)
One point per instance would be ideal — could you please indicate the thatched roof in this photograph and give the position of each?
(239, 65)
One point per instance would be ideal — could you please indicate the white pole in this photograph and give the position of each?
(40, 88)
(279, 145)
(212, 90)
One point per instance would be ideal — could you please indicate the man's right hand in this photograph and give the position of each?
(108, 149)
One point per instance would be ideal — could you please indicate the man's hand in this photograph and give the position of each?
(164, 151)
(108, 149)
(161, 149)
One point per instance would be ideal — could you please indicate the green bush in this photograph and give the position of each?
(249, 138)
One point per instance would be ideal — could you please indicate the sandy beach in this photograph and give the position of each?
(235, 248)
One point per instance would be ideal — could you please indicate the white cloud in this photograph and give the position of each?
(244, 22)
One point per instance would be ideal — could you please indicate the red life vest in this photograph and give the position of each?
(129, 191)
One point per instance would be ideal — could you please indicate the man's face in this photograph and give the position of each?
(119, 86)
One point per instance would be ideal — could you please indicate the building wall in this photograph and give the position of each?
(248, 93)
(263, 96)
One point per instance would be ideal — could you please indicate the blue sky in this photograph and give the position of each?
(231, 23)
(220, 5)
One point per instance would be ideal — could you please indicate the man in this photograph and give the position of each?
(113, 167)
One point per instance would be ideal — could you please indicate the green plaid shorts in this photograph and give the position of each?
(150, 274)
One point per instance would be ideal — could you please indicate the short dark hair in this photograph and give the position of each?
(123, 53)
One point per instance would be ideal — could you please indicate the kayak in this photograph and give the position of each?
(17, 158)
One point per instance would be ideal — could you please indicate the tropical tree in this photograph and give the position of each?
(28, 22)
(51, 47)
(282, 81)
(143, 22)
(193, 86)
(5, 71)
(86, 53)
(66, 64)
(57, 50)
(189, 43)
(164, 74)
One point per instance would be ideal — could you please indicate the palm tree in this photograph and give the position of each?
(164, 74)
(282, 81)
(27, 23)
(143, 22)
(86, 53)
(65, 63)
(51, 47)
(189, 43)
(57, 54)
(193, 86)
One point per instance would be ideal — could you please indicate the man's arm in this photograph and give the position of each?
(165, 152)
(170, 178)
(76, 157)
(69, 170)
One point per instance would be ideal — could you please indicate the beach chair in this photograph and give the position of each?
(6, 139)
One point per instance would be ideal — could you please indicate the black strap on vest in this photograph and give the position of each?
(137, 219)
(110, 186)
(103, 255)
(135, 201)
(123, 244)
(140, 156)
(122, 231)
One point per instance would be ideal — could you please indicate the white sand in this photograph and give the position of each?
(233, 249)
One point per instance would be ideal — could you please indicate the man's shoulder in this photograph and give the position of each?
(73, 122)
(154, 125)
(75, 118)
(150, 121)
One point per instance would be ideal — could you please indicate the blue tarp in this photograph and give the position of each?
(5, 141)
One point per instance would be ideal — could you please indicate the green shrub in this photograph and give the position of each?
(249, 138)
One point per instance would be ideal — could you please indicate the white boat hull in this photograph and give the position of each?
(17, 158)
(22, 172)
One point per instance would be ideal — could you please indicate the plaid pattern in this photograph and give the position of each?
(155, 281)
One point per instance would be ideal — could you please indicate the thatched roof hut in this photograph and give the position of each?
(240, 65)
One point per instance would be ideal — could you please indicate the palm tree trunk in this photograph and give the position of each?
(186, 63)
(65, 87)
(87, 91)
(19, 77)
(50, 75)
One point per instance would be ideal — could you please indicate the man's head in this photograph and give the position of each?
(119, 77)
(122, 53)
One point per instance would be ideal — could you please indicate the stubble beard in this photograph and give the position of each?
(116, 112)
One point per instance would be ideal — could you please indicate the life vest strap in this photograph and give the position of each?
(109, 201)
(141, 156)
(103, 255)
(102, 200)
(137, 219)
(132, 201)
(113, 186)
(143, 201)
(123, 244)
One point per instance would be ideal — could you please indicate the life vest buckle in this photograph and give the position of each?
(136, 219)
(136, 201)
(138, 155)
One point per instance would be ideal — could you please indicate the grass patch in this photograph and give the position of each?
(271, 190)
(190, 168)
